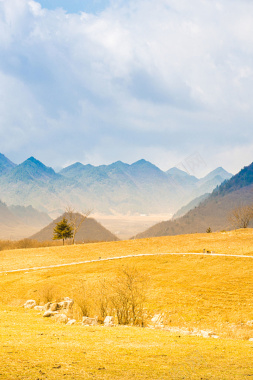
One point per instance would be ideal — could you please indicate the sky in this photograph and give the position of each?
(170, 81)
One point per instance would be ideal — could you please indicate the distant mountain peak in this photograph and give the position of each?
(33, 159)
(217, 172)
(142, 162)
(242, 179)
(76, 165)
(32, 169)
(5, 164)
(118, 164)
(176, 171)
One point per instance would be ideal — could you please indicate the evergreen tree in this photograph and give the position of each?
(63, 230)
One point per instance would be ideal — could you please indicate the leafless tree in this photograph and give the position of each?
(129, 296)
(76, 219)
(241, 216)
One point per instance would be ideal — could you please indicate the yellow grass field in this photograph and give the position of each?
(193, 292)
(237, 242)
(36, 349)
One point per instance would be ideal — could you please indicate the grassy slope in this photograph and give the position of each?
(35, 349)
(232, 242)
(193, 291)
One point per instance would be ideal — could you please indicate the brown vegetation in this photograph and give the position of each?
(122, 296)
(241, 216)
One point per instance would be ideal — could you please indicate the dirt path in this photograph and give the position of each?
(121, 257)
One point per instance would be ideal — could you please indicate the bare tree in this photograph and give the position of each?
(241, 216)
(76, 219)
(129, 296)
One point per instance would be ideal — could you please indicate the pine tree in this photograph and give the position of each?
(63, 230)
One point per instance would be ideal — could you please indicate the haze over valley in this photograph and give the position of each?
(126, 198)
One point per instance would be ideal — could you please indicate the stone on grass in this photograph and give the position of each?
(157, 321)
(39, 308)
(61, 318)
(71, 322)
(109, 321)
(47, 306)
(66, 304)
(49, 313)
(30, 304)
(87, 321)
(54, 306)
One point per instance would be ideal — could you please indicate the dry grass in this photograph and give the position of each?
(202, 292)
(233, 242)
(39, 349)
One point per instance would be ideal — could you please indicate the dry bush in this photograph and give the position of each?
(241, 216)
(102, 298)
(31, 243)
(26, 243)
(47, 293)
(129, 295)
(123, 297)
(83, 296)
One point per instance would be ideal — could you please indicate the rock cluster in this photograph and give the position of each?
(60, 311)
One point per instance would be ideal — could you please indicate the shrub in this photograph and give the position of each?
(129, 295)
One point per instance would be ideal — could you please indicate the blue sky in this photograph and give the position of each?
(101, 81)
(75, 6)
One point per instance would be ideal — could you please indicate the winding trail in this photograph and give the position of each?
(122, 257)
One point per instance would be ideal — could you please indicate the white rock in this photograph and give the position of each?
(61, 318)
(87, 321)
(157, 321)
(47, 306)
(205, 334)
(39, 308)
(54, 306)
(30, 304)
(49, 313)
(71, 322)
(109, 321)
(250, 339)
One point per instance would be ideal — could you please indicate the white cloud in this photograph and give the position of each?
(139, 78)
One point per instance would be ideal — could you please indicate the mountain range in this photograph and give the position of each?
(140, 188)
(212, 210)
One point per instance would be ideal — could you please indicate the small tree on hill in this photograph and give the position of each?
(63, 231)
(76, 219)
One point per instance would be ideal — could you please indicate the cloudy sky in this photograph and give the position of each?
(106, 80)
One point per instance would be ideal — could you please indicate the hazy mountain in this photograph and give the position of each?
(242, 179)
(33, 183)
(217, 174)
(90, 230)
(28, 215)
(194, 203)
(5, 164)
(6, 216)
(17, 222)
(31, 170)
(212, 212)
(119, 188)
(182, 177)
